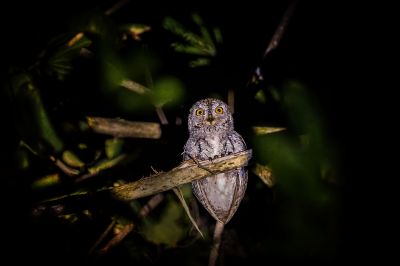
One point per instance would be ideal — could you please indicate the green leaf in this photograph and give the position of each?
(197, 45)
(260, 96)
(71, 159)
(167, 230)
(106, 164)
(46, 181)
(217, 35)
(190, 49)
(32, 119)
(59, 61)
(113, 147)
(167, 90)
(199, 62)
(46, 128)
(22, 159)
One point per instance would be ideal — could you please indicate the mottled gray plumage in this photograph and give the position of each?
(211, 136)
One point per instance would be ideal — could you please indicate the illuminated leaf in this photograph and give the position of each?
(113, 147)
(71, 159)
(46, 181)
(260, 96)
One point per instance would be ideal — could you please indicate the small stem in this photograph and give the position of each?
(150, 205)
(102, 236)
(161, 115)
(118, 238)
(276, 38)
(116, 7)
(231, 100)
(179, 194)
(63, 167)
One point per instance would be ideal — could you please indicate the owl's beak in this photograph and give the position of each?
(210, 120)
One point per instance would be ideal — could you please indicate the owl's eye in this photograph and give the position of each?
(199, 112)
(219, 110)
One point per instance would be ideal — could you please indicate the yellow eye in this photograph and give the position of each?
(219, 110)
(199, 112)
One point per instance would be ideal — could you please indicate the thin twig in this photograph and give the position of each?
(276, 38)
(150, 205)
(74, 194)
(161, 115)
(63, 167)
(219, 228)
(231, 100)
(185, 173)
(116, 7)
(160, 112)
(102, 236)
(101, 166)
(117, 238)
(143, 212)
(179, 194)
(135, 87)
(29, 148)
(266, 130)
(60, 164)
(142, 90)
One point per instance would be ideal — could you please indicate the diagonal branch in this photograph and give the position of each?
(116, 7)
(276, 38)
(187, 172)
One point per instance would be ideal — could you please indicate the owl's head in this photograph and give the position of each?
(209, 116)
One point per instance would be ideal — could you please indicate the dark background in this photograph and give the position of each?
(319, 48)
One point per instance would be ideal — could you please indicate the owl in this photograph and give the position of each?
(211, 135)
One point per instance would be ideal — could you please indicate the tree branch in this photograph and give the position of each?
(276, 38)
(187, 172)
(121, 128)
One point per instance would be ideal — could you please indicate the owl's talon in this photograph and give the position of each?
(216, 156)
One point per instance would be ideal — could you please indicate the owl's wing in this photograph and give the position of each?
(240, 189)
(201, 189)
(189, 149)
(236, 142)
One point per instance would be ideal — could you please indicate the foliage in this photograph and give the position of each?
(202, 45)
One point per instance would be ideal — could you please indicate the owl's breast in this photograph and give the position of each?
(214, 146)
